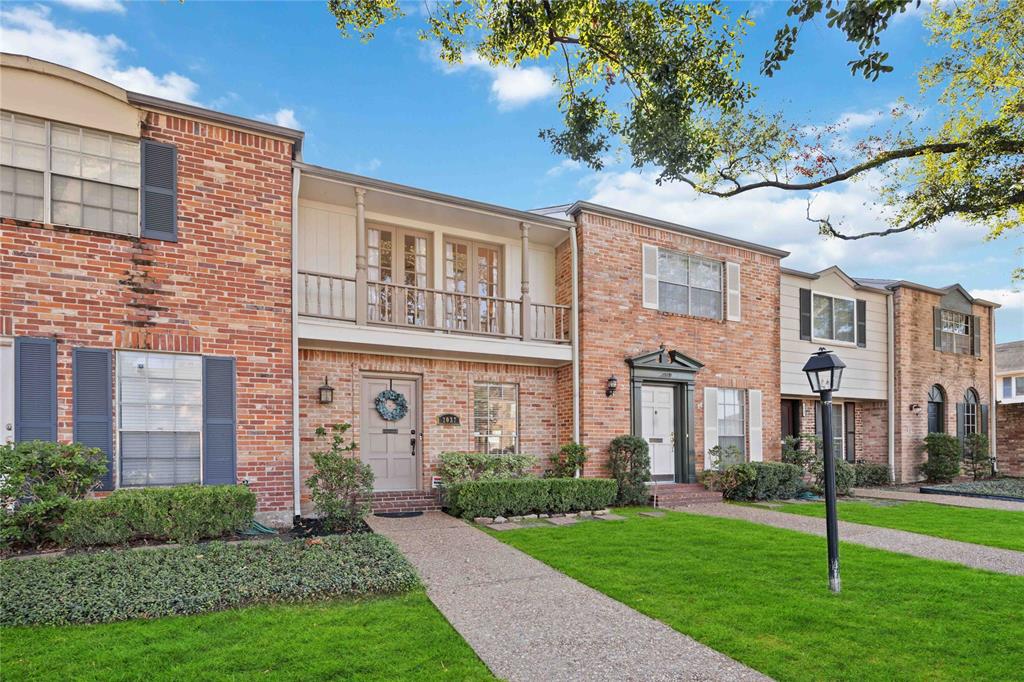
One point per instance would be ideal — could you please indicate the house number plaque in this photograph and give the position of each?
(448, 419)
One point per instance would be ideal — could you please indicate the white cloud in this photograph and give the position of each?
(564, 166)
(859, 119)
(510, 88)
(29, 30)
(283, 117)
(94, 5)
(1010, 299)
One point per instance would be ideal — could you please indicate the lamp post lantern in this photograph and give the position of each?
(824, 371)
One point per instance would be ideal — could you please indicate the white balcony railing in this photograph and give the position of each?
(399, 305)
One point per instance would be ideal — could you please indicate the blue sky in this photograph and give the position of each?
(389, 109)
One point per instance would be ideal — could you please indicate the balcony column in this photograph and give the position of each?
(524, 304)
(361, 290)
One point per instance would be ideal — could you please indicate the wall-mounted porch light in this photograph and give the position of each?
(612, 384)
(326, 393)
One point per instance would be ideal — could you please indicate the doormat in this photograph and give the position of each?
(399, 515)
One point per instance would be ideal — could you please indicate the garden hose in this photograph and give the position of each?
(258, 528)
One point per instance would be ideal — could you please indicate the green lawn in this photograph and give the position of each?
(980, 526)
(760, 595)
(374, 639)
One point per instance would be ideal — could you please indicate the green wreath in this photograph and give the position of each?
(391, 405)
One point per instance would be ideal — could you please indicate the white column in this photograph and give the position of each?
(524, 304)
(361, 292)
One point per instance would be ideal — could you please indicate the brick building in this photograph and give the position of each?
(1009, 419)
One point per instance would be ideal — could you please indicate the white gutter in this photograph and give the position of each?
(891, 384)
(993, 390)
(575, 337)
(296, 451)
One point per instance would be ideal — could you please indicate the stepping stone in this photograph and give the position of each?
(652, 514)
(562, 520)
(610, 517)
(504, 526)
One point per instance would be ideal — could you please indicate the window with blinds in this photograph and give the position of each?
(496, 418)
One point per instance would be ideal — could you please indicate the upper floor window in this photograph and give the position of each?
(1013, 388)
(689, 285)
(956, 332)
(835, 318)
(66, 175)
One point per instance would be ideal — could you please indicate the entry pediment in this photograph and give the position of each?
(665, 360)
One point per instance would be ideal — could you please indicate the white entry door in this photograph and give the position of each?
(391, 447)
(658, 407)
(6, 389)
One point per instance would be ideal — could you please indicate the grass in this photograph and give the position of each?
(386, 638)
(759, 594)
(990, 527)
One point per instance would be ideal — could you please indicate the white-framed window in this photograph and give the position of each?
(689, 285)
(838, 431)
(956, 332)
(731, 419)
(970, 412)
(66, 175)
(160, 418)
(1013, 388)
(834, 318)
(496, 418)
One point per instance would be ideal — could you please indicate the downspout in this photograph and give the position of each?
(891, 384)
(575, 338)
(296, 431)
(992, 389)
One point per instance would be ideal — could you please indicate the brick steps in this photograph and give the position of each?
(682, 495)
(400, 501)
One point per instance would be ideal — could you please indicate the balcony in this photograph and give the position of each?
(333, 297)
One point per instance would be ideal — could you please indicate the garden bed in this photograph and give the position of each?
(113, 585)
(995, 489)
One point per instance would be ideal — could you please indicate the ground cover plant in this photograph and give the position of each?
(990, 527)
(384, 638)
(113, 585)
(1003, 487)
(759, 594)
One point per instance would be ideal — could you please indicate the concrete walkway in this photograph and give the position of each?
(900, 541)
(527, 621)
(951, 500)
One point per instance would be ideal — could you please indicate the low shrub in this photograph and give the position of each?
(846, 476)
(977, 461)
(457, 467)
(629, 462)
(943, 463)
(718, 457)
(801, 450)
(341, 486)
(870, 474)
(39, 480)
(517, 497)
(184, 513)
(568, 461)
(114, 585)
(760, 481)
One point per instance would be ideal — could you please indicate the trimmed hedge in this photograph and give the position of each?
(458, 467)
(871, 474)
(185, 513)
(760, 481)
(114, 585)
(520, 496)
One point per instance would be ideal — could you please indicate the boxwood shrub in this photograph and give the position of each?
(112, 585)
(456, 467)
(871, 474)
(185, 513)
(760, 481)
(520, 496)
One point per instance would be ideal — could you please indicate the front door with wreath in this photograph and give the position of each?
(390, 431)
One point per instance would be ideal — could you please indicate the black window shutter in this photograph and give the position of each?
(961, 409)
(805, 314)
(937, 322)
(159, 191)
(850, 421)
(218, 420)
(35, 389)
(976, 335)
(862, 323)
(93, 405)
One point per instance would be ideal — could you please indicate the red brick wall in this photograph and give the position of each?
(614, 325)
(447, 386)
(1010, 438)
(919, 366)
(223, 289)
(872, 431)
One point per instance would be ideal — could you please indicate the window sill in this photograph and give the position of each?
(833, 342)
(668, 313)
(16, 222)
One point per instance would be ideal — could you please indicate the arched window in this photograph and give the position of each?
(970, 411)
(936, 410)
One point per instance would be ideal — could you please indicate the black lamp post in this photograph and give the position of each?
(824, 371)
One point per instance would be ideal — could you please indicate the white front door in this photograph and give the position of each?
(6, 390)
(657, 404)
(391, 447)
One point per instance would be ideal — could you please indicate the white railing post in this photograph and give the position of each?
(361, 290)
(524, 301)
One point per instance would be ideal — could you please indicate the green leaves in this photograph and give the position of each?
(341, 485)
